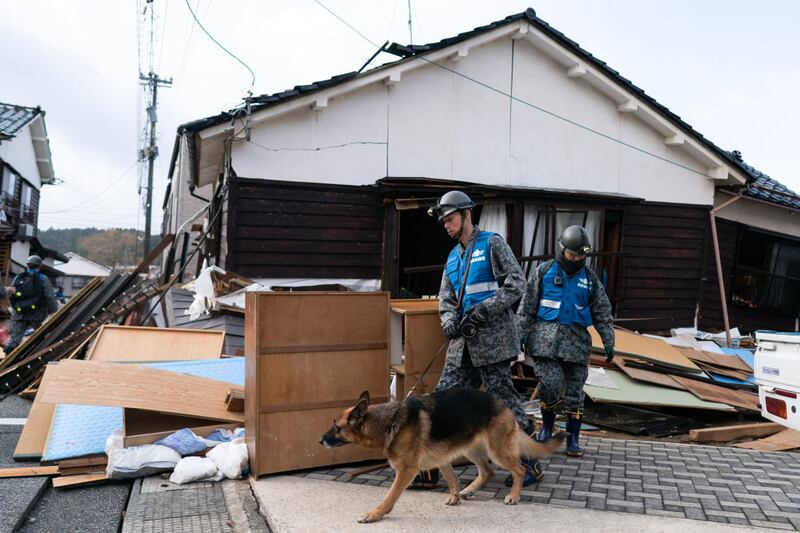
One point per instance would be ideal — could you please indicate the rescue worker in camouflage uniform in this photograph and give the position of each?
(31, 309)
(562, 300)
(482, 330)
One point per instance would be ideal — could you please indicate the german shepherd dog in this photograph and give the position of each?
(431, 431)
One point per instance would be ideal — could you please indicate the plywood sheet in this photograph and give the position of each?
(647, 348)
(715, 393)
(728, 433)
(118, 385)
(414, 306)
(638, 393)
(80, 479)
(655, 378)
(129, 343)
(33, 438)
(785, 440)
(721, 360)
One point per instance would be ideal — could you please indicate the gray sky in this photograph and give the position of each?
(729, 68)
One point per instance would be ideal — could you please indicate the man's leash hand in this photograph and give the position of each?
(451, 329)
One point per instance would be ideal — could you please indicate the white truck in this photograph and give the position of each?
(777, 373)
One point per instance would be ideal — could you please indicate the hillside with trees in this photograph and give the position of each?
(109, 247)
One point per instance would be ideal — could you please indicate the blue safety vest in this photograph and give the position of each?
(569, 303)
(481, 283)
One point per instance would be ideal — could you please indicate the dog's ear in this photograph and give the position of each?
(356, 416)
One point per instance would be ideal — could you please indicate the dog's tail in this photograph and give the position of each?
(532, 448)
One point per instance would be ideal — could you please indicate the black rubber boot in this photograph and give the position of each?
(573, 434)
(548, 422)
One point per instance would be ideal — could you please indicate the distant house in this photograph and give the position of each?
(76, 273)
(330, 181)
(25, 166)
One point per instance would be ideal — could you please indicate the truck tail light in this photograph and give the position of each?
(776, 407)
(787, 394)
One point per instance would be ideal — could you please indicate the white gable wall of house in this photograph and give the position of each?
(436, 124)
(20, 154)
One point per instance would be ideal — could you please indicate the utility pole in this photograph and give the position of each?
(150, 152)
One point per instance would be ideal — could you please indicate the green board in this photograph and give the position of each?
(644, 394)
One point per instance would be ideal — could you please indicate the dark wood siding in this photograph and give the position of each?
(278, 229)
(747, 320)
(662, 266)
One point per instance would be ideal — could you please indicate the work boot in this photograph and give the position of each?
(548, 421)
(573, 433)
(533, 468)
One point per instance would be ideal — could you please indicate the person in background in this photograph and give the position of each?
(32, 301)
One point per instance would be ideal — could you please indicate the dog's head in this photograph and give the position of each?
(346, 428)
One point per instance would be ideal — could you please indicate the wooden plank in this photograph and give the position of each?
(92, 460)
(649, 349)
(29, 472)
(728, 433)
(788, 439)
(235, 400)
(647, 376)
(80, 479)
(138, 387)
(134, 343)
(721, 360)
(715, 393)
(33, 438)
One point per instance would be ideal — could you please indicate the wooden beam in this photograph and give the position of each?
(675, 140)
(80, 479)
(393, 77)
(461, 53)
(234, 402)
(138, 387)
(628, 107)
(728, 433)
(576, 71)
(29, 472)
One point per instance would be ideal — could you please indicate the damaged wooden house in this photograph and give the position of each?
(329, 182)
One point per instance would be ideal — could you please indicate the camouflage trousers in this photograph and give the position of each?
(495, 377)
(16, 331)
(561, 379)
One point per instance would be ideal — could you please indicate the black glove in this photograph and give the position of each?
(609, 354)
(475, 318)
(451, 329)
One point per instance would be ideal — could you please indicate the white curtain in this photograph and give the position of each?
(493, 218)
(563, 219)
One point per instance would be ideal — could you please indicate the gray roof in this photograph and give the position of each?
(15, 117)
(762, 187)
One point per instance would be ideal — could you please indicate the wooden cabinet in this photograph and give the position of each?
(308, 356)
(416, 337)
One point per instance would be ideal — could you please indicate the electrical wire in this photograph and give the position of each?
(253, 82)
(531, 105)
(326, 8)
(115, 182)
(318, 148)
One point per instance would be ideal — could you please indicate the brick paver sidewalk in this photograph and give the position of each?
(728, 485)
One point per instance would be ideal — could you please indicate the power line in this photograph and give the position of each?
(317, 148)
(253, 82)
(115, 182)
(529, 104)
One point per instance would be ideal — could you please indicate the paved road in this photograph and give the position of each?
(31, 505)
(711, 484)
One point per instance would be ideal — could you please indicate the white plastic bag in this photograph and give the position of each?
(230, 458)
(140, 461)
(191, 469)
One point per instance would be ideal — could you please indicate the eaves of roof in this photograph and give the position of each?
(758, 185)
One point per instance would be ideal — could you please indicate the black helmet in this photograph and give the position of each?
(575, 240)
(34, 260)
(451, 201)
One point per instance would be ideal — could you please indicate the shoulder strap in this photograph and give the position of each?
(543, 269)
(466, 271)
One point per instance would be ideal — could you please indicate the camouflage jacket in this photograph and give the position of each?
(497, 340)
(552, 340)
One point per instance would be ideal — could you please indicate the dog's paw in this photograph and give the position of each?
(369, 517)
(466, 494)
(452, 499)
(510, 500)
